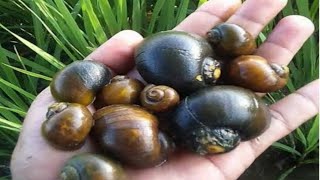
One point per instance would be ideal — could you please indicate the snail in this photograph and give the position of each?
(79, 81)
(67, 125)
(231, 40)
(159, 98)
(179, 60)
(120, 90)
(131, 134)
(87, 166)
(215, 119)
(255, 73)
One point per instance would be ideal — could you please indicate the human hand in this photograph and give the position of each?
(34, 158)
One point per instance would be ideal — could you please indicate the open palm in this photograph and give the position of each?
(34, 159)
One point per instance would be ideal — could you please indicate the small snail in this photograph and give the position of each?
(231, 40)
(179, 60)
(255, 73)
(88, 166)
(131, 134)
(79, 81)
(120, 90)
(67, 125)
(215, 119)
(159, 98)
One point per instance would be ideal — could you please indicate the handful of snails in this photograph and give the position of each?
(201, 88)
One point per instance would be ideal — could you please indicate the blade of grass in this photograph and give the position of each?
(29, 73)
(6, 84)
(121, 8)
(201, 2)
(22, 113)
(9, 115)
(301, 137)
(286, 148)
(285, 174)
(52, 60)
(95, 24)
(313, 135)
(10, 128)
(7, 71)
(136, 16)
(59, 25)
(13, 96)
(182, 11)
(11, 124)
(27, 62)
(37, 21)
(72, 26)
(166, 12)
(157, 8)
(108, 16)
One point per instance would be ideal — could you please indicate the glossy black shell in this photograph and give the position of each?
(222, 106)
(175, 59)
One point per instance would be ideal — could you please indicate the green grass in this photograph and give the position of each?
(39, 37)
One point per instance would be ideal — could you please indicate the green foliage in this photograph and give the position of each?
(39, 37)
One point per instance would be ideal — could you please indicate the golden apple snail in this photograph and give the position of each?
(120, 90)
(79, 81)
(131, 134)
(87, 166)
(179, 60)
(216, 119)
(67, 125)
(255, 73)
(230, 40)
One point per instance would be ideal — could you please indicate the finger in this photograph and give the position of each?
(254, 15)
(287, 114)
(208, 15)
(117, 52)
(286, 39)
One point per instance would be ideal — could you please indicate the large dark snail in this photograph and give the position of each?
(215, 119)
(67, 125)
(180, 60)
(231, 40)
(255, 73)
(79, 81)
(88, 166)
(120, 90)
(131, 134)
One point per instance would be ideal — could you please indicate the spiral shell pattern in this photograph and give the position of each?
(159, 98)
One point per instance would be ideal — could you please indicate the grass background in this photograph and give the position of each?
(39, 37)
